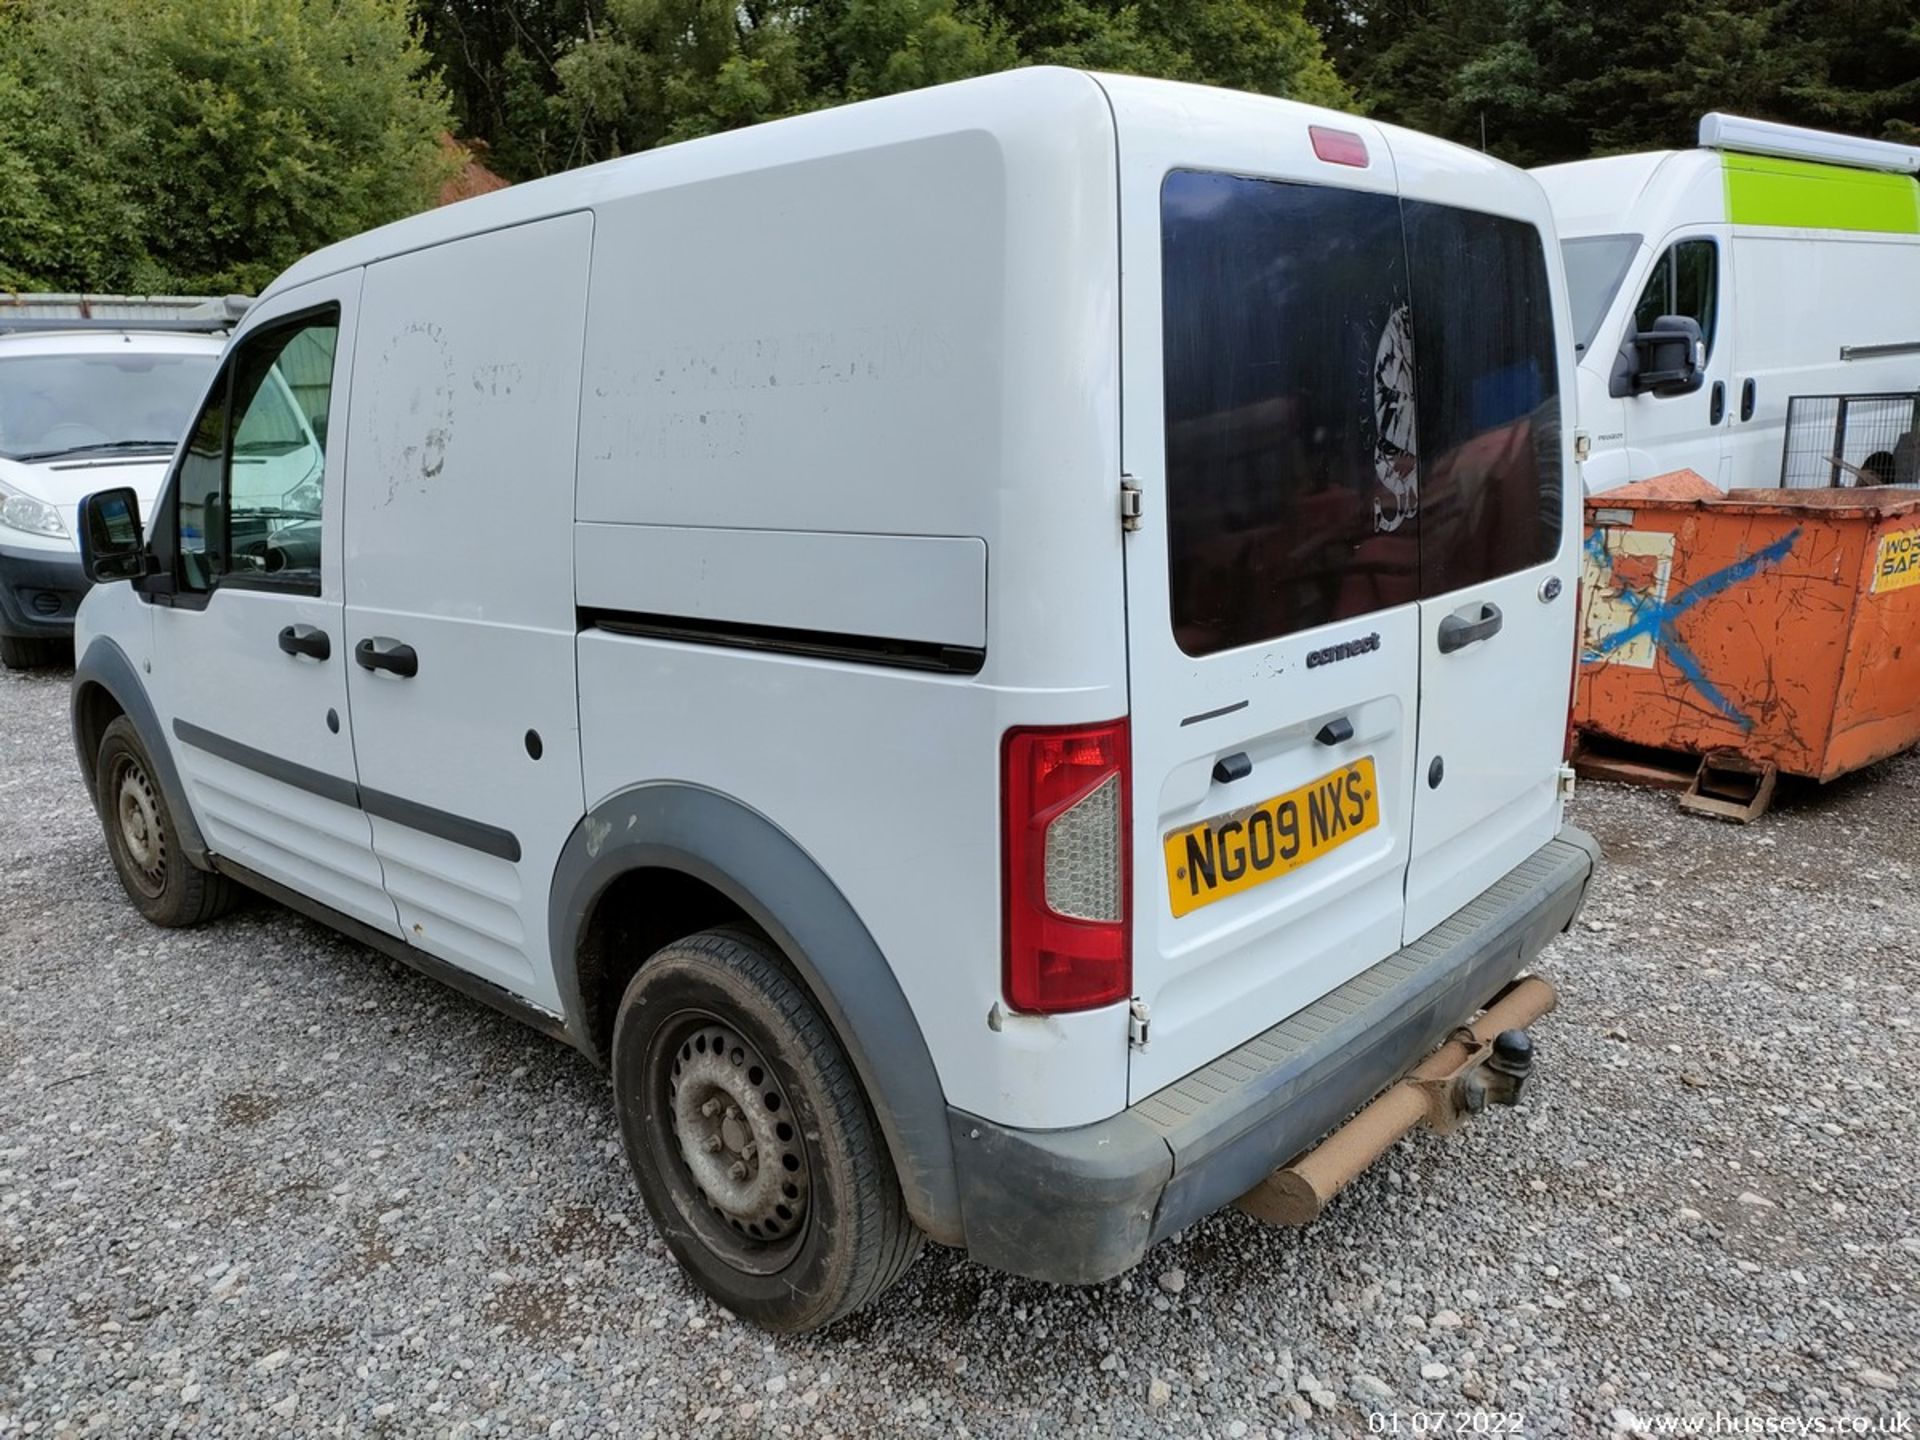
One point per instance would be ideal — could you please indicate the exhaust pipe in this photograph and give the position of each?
(1488, 1060)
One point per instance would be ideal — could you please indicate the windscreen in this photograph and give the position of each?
(1596, 264)
(58, 405)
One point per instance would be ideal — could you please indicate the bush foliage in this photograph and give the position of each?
(202, 145)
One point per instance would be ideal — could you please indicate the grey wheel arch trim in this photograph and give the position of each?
(105, 664)
(759, 867)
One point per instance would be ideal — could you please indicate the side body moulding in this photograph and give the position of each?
(759, 868)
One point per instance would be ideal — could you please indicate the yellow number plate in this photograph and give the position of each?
(1235, 852)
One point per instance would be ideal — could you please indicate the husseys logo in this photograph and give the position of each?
(1345, 650)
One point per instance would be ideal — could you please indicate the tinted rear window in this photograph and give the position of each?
(1490, 496)
(1315, 471)
(1288, 407)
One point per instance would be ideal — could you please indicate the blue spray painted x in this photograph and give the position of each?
(1655, 619)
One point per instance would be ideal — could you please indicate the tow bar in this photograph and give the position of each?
(1487, 1061)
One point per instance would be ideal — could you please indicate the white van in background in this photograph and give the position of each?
(961, 784)
(88, 398)
(1794, 255)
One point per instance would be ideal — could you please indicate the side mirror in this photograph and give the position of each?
(1671, 358)
(112, 545)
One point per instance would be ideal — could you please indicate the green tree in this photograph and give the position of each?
(639, 73)
(1858, 65)
(497, 57)
(1546, 80)
(657, 71)
(71, 123)
(206, 144)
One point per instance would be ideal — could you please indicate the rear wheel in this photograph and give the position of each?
(751, 1138)
(163, 884)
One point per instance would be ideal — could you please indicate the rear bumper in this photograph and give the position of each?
(1080, 1206)
(39, 592)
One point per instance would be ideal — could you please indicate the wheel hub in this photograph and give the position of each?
(140, 830)
(736, 1135)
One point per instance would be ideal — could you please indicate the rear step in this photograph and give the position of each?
(1487, 1060)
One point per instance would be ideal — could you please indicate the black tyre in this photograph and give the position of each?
(18, 653)
(163, 884)
(751, 1138)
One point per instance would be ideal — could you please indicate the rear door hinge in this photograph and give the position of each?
(1139, 1022)
(1129, 503)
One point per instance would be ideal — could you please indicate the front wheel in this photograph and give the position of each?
(163, 884)
(751, 1138)
(26, 653)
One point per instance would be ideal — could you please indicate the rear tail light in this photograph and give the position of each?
(1067, 798)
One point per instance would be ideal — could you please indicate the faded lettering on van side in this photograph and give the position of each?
(908, 353)
(412, 396)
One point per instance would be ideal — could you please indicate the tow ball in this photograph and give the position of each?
(1499, 1074)
(1487, 1062)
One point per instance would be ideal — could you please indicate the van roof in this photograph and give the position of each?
(1617, 193)
(997, 104)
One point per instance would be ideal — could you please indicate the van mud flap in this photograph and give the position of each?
(1486, 1061)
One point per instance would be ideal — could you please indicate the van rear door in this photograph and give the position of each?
(1273, 615)
(1498, 526)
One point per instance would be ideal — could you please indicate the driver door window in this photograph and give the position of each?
(252, 480)
(1685, 281)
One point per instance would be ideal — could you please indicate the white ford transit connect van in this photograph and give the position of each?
(1794, 256)
(1004, 714)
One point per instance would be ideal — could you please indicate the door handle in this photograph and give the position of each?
(1457, 632)
(1717, 405)
(1748, 396)
(306, 640)
(377, 652)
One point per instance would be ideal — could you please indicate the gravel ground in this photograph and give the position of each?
(255, 1179)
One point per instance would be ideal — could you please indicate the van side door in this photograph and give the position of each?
(249, 651)
(1499, 529)
(460, 623)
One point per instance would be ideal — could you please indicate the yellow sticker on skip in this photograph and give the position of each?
(1897, 565)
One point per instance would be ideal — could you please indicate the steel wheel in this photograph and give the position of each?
(143, 835)
(744, 1175)
(752, 1141)
(156, 870)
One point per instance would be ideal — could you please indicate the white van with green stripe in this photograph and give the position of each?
(1795, 253)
